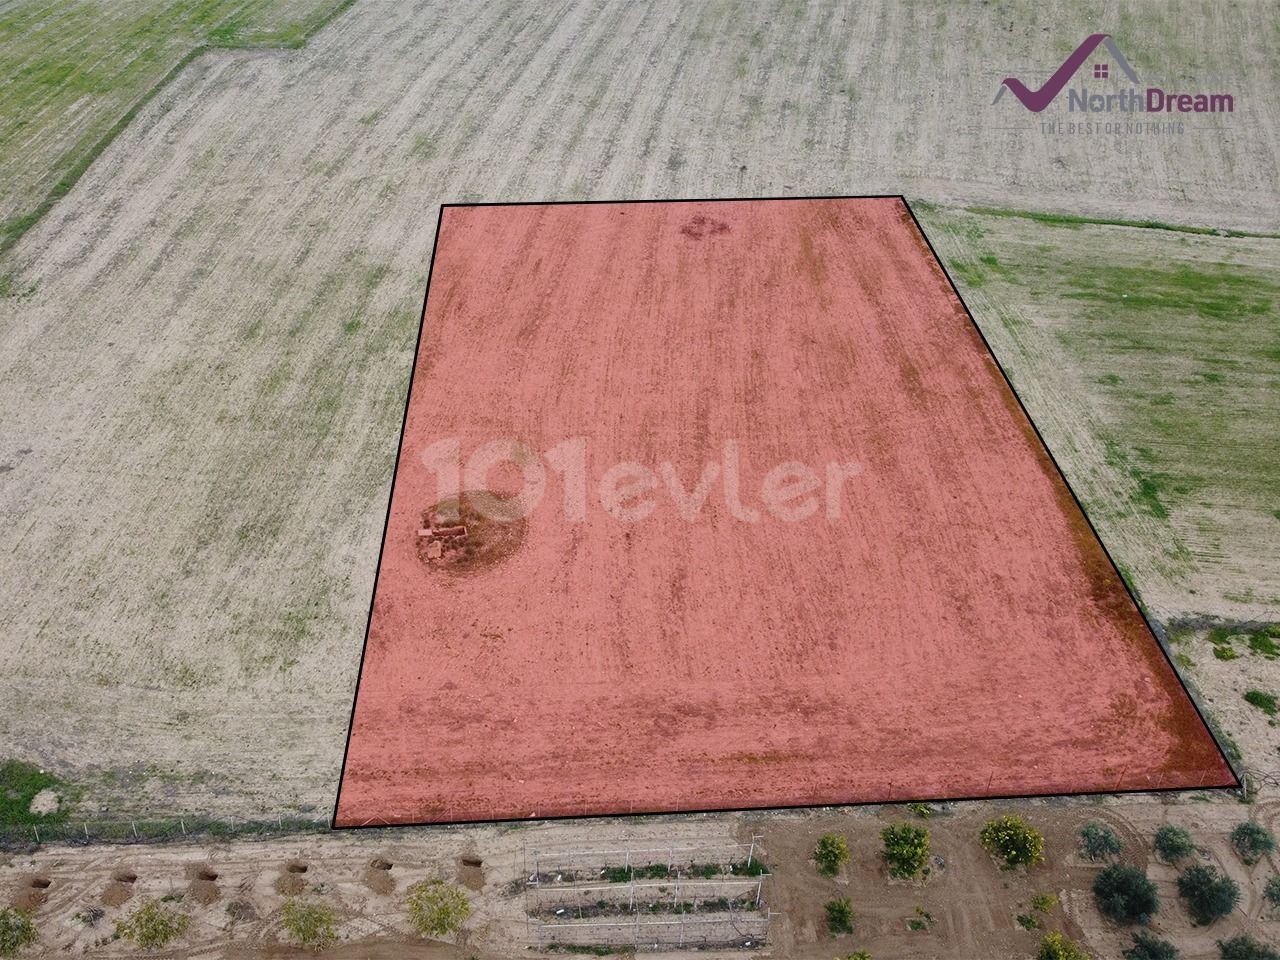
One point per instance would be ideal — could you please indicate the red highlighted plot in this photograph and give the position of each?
(749, 517)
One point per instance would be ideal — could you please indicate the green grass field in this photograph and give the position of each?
(75, 73)
(1166, 346)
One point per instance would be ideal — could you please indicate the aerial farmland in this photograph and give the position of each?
(218, 224)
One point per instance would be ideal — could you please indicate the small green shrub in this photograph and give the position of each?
(1225, 652)
(1262, 644)
(922, 810)
(1173, 843)
(839, 915)
(1028, 921)
(831, 853)
(152, 925)
(1266, 702)
(1125, 895)
(1055, 946)
(1209, 896)
(1246, 948)
(1044, 902)
(1271, 892)
(17, 930)
(906, 850)
(309, 923)
(923, 920)
(1252, 841)
(1147, 946)
(1098, 841)
(860, 955)
(436, 908)
(1013, 842)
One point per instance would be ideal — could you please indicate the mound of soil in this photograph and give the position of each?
(291, 882)
(470, 532)
(116, 893)
(471, 872)
(379, 881)
(204, 892)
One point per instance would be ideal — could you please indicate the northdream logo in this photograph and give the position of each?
(1083, 100)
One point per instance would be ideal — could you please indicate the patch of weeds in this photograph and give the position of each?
(1028, 921)
(17, 930)
(922, 810)
(1072, 221)
(1148, 495)
(1266, 702)
(20, 782)
(1216, 291)
(1225, 652)
(310, 924)
(1263, 644)
(923, 920)
(423, 146)
(11, 286)
(1183, 661)
(153, 925)
(436, 908)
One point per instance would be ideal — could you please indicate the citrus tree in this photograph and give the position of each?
(1013, 842)
(839, 915)
(1055, 946)
(906, 849)
(831, 853)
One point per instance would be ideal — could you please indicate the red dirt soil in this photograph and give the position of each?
(957, 632)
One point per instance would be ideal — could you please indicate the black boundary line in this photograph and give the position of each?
(386, 523)
(762, 809)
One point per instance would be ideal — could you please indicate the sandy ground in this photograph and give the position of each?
(200, 394)
(974, 904)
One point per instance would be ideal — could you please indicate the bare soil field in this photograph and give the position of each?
(973, 904)
(205, 345)
(904, 631)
